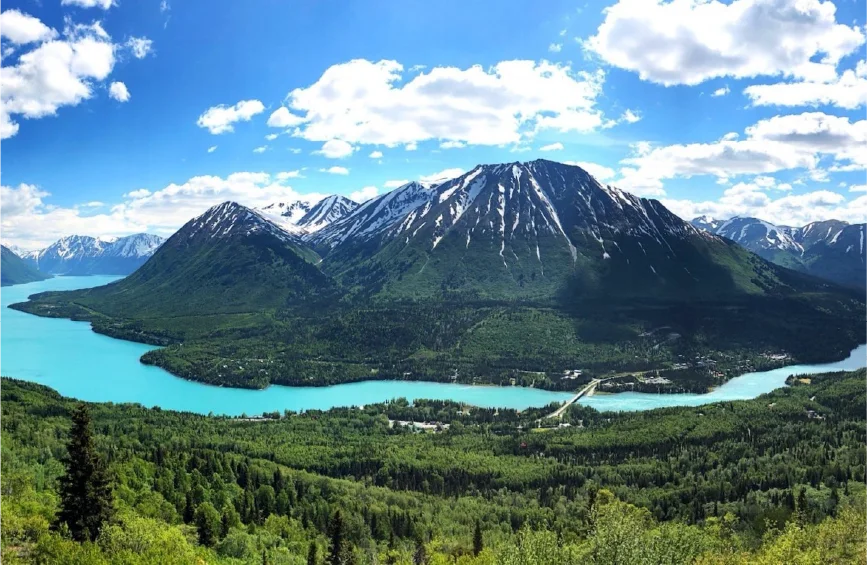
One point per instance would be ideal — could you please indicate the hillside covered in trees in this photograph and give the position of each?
(778, 479)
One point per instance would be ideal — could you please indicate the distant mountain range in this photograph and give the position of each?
(86, 255)
(531, 266)
(830, 249)
(14, 270)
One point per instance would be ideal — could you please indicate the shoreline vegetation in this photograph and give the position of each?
(501, 344)
(752, 481)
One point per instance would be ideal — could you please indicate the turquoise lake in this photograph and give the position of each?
(69, 357)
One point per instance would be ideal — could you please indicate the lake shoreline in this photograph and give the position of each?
(72, 363)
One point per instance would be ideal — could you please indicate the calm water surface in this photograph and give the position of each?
(69, 357)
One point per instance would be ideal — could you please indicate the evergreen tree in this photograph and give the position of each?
(478, 541)
(208, 524)
(85, 489)
(420, 554)
(335, 531)
(311, 553)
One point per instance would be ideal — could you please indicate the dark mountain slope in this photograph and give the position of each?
(14, 270)
(541, 230)
(229, 259)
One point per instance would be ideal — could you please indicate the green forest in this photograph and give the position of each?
(777, 479)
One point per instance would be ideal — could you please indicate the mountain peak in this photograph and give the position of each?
(229, 218)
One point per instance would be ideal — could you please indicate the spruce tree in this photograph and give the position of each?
(85, 489)
(478, 541)
(311, 553)
(335, 531)
(420, 554)
(208, 524)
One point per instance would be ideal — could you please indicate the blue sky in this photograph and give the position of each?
(725, 108)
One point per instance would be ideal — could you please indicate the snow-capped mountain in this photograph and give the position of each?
(325, 212)
(231, 219)
(830, 249)
(529, 229)
(815, 232)
(303, 217)
(755, 235)
(292, 211)
(86, 255)
(371, 218)
(14, 270)
(706, 222)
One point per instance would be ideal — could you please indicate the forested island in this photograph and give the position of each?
(776, 479)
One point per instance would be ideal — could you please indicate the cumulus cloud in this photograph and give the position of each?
(221, 119)
(858, 189)
(335, 170)
(212, 149)
(140, 46)
(630, 117)
(442, 176)
(849, 91)
(779, 143)
(452, 145)
(285, 175)
(104, 4)
(691, 41)
(56, 72)
(721, 91)
(118, 91)
(20, 28)
(365, 102)
(552, 147)
(260, 149)
(283, 118)
(272, 137)
(555, 47)
(375, 155)
(364, 194)
(789, 210)
(336, 149)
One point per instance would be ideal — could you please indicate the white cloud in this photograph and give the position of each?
(285, 175)
(104, 4)
(393, 184)
(272, 137)
(364, 102)
(335, 170)
(858, 189)
(282, 118)
(779, 143)
(452, 145)
(555, 47)
(630, 117)
(20, 28)
(164, 6)
(140, 46)
(442, 176)
(552, 147)
(721, 91)
(31, 222)
(260, 149)
(411, 146)
(375, 155)
(212, 149)
(118, 91)
(294, 150)
(364, 194)
(691, 41)
(336, 149)
(55, 73)
(849, 91)
(220, 119)
(600, 172)
(788, 210)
